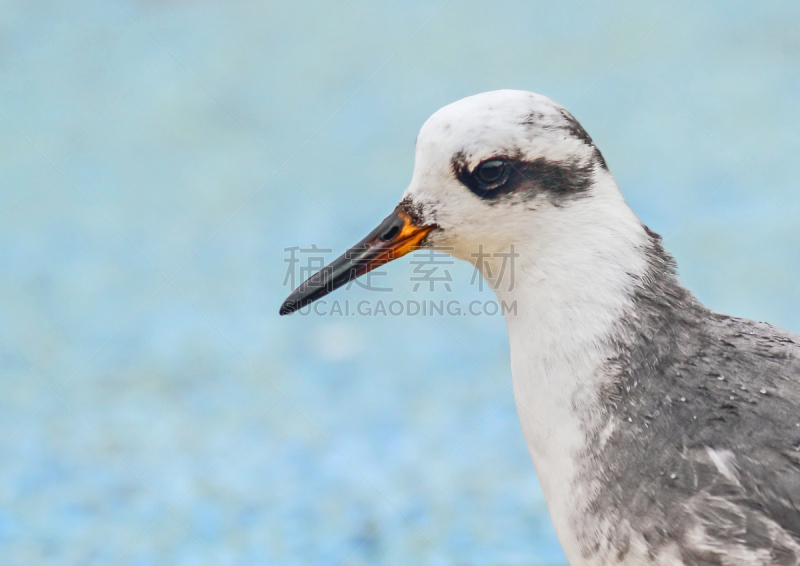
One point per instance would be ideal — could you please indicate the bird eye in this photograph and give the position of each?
(491, 174)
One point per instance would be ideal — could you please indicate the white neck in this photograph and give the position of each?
(573, 282)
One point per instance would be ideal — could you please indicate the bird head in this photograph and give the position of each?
(492, 171)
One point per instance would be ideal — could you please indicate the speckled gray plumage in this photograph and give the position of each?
(703, 458)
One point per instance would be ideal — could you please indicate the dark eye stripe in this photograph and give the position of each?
(559, 179)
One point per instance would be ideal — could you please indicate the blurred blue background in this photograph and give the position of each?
(157, 158)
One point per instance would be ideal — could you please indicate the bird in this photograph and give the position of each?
(662, 432)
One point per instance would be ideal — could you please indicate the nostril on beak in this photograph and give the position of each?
(390, 233)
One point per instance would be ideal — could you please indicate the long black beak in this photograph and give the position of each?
(396, 236)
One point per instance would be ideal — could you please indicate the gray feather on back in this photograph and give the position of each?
(705, 448)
